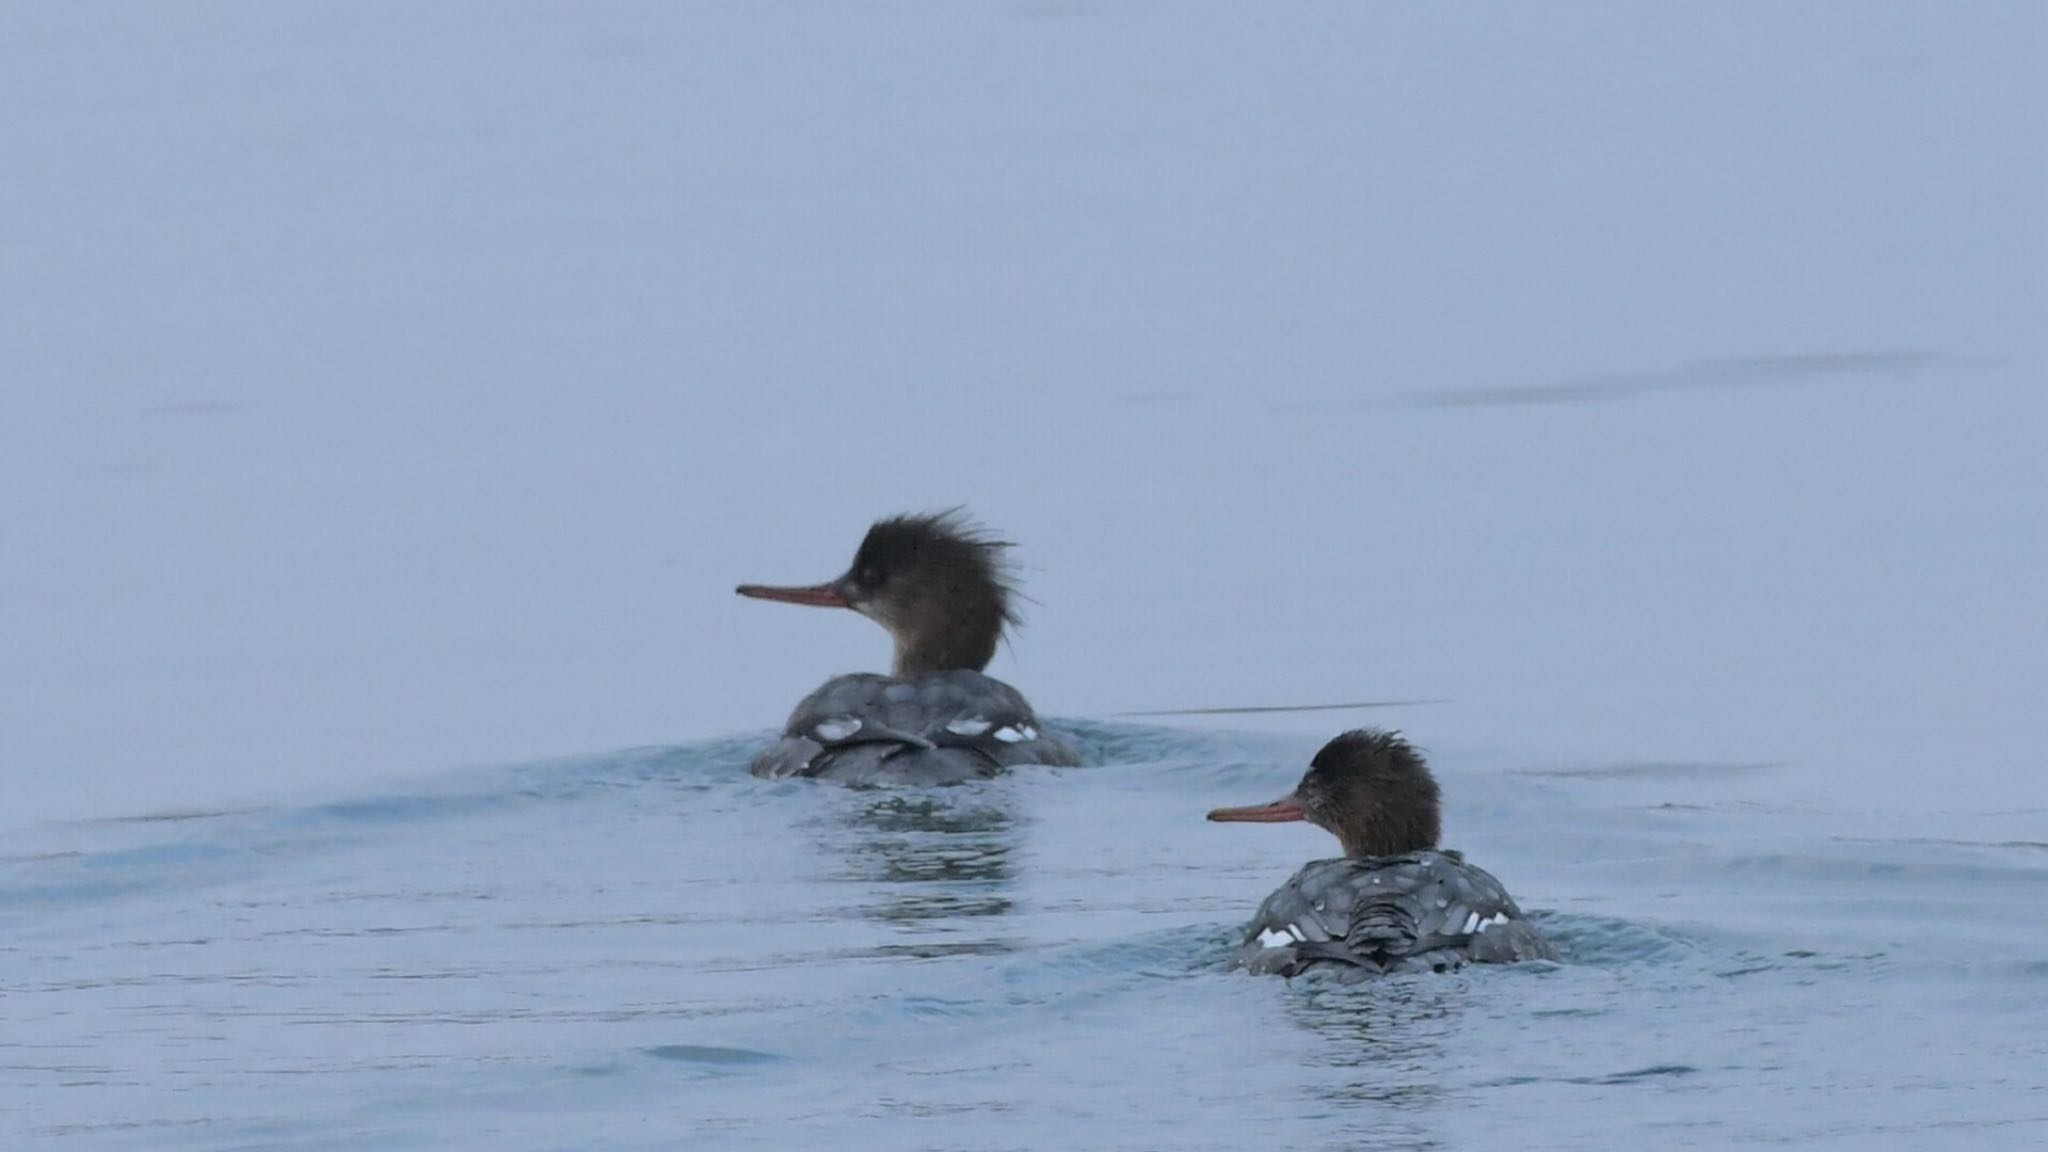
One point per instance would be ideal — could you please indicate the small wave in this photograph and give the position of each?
(1963, 867)
(713, 1056)
(1127, 744)
(1654, 770)
(169, 850)
(1631, 1076)
(1607, 941)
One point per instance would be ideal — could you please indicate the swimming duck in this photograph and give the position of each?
(1394, 902)
(942, 587)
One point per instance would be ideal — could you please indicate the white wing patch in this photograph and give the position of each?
(1474, 925)
(1280, 937)
(968, 726)
(836, 729)
(1016, 733)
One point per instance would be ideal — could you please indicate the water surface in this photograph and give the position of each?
(636, 949)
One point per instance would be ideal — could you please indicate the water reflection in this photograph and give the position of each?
(1377, 1057)
(942, 866)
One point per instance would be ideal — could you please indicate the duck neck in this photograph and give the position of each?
(1390, 833)
(958, 641)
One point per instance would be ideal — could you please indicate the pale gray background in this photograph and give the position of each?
(385, 387)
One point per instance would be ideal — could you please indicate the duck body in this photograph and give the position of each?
(1395, 901)
(1423, 911)
(941, 727)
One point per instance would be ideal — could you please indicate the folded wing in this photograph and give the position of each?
(941, 728)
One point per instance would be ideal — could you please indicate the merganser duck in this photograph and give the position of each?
(1395, 902)
(942, 587)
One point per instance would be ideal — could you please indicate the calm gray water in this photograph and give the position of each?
(650, 950)
(391, 394)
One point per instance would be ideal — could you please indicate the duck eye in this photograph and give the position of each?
(870, 577)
